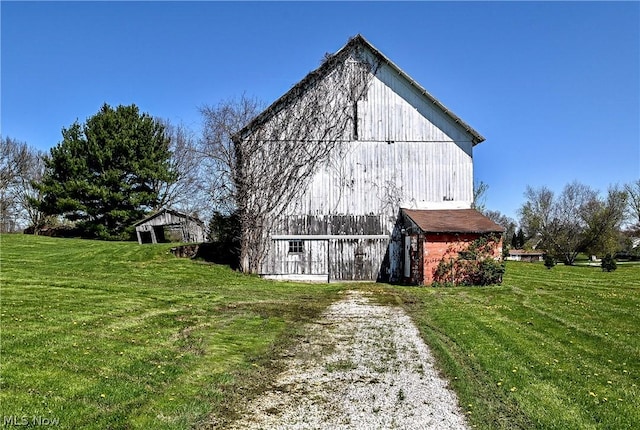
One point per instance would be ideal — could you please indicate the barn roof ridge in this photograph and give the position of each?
(327, 65)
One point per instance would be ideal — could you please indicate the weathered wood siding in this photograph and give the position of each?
(379, 177)
(408, 153)
(184, 228)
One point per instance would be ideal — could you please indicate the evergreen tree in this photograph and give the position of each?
(105, 173)
(520, 239)
(514, 241)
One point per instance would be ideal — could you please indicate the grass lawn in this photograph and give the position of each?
(116, 335)
(549, 349)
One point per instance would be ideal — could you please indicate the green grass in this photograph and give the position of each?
(117, 335)
(549, 349)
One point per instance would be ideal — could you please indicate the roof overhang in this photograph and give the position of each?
(455, 221)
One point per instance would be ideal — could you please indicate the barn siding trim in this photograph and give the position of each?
(327, 236)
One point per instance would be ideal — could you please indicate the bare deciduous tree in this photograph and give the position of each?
(216, 151)
(20, 166)
(480, 196)
(278, 153)
(504, 221)
(186, 192)
(577, 220)
(633, 209)
(256, 165)
(603, 218)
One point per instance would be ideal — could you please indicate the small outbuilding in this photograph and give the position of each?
(431, 236)
(168, 225)
(522, 255)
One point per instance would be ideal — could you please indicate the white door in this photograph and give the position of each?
(407, 256)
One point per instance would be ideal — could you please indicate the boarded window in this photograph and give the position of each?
(296, 247)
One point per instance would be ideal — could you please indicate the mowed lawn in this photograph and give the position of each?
(549, 349)
(116, 335)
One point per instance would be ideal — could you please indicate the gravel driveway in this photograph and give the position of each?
(361, 366)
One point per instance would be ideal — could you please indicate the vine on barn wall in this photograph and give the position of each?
(283, 148)
(474, 265)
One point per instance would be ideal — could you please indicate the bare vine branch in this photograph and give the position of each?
(277, 154)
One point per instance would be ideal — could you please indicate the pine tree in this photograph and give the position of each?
(104, 173)
(521, 240)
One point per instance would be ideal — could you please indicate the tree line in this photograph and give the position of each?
(120, 164)
(579, 219)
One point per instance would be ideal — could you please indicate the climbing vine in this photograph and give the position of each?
(474, 265)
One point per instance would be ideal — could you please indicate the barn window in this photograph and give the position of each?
(296, 247)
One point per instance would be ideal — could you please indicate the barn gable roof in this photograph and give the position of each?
(452, 221)
(172, 212)
(328, 65)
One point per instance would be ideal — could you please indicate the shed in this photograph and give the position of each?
(431, 236)
(522, 255)
(168, 225)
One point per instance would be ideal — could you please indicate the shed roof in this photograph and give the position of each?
(452, 221)
(525, 253)
(326, 67)
(172, 212)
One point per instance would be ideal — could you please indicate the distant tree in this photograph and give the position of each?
(20, 165)
(633, 209)
(604, 218)
(480, 196)
(577, 220)
(104, 175)
(520, 239)
(188, 192)
(509, 224)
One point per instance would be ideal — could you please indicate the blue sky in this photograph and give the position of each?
(554, 87)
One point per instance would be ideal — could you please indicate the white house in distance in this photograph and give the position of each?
(404, 150)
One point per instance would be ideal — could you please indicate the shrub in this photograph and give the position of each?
(608, 263)
(473, 266)
(549, 261)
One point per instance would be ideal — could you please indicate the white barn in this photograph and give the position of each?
(403, 150)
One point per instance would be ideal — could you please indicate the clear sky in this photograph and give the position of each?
(554, 87)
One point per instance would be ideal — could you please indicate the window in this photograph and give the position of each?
(296, 247)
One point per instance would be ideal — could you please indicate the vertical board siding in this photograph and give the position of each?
(356, 259)
(312, 261)
(379, 177)
(409, 153)
(186, 228)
